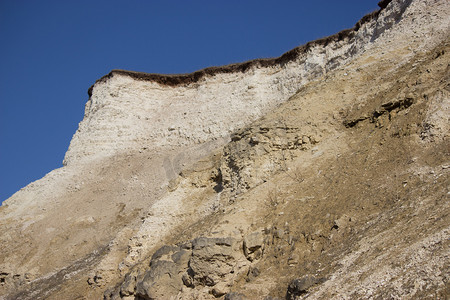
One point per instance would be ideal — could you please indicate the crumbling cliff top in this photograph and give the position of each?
(181, 79)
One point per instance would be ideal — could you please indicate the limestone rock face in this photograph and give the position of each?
(212, 258)
(322, 173)
(128, 111)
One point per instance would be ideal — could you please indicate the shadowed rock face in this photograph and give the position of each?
(321, 174)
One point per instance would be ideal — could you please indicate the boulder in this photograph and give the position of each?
(235, 296)
(164, 278)
(212, 259)
(300, 286)
(253, 245)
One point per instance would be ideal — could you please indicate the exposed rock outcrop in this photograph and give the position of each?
(320, 174)
(203, 265)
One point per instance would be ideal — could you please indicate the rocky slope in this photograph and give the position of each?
(320, 174)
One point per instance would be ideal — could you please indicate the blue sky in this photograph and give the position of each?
(51, 52)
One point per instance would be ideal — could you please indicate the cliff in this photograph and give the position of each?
(319, 174)
(130, 110)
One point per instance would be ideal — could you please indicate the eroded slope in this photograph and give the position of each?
(355, 205)
(309, 187)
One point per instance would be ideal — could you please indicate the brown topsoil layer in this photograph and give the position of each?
(180, 79)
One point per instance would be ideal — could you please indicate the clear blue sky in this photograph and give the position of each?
(51, 52)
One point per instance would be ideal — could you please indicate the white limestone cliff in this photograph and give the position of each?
(128, 110)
